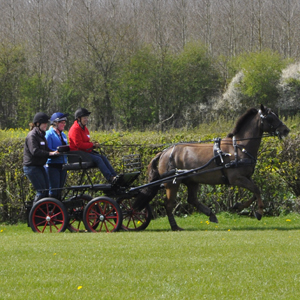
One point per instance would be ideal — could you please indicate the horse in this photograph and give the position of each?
(230, 160)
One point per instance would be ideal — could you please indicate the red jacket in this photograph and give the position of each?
(79, 138)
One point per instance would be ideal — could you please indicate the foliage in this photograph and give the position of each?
(262, 71)
(152, 88)
(289, 88)
(196, 80)
(133, 99)
(276, 171)
(36, 93)
(12, 71)
(288, 163)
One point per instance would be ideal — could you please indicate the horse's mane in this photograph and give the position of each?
(249, 113)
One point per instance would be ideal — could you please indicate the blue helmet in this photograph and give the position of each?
(58, 117)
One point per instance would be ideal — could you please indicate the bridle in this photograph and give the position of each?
(268, 117)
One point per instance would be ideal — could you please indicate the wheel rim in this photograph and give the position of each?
(102, 216)
(133, 219)
(48, 217)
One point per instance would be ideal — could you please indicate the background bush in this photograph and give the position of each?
(277, 171)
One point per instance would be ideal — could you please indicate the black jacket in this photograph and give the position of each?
(36, 151)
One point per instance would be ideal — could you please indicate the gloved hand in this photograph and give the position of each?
(96, 145)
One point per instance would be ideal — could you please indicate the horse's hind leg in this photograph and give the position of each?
(192, 199)
(171, 192)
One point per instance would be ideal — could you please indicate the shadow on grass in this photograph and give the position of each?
(246, 228)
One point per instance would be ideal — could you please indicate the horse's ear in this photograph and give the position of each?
(262, 108)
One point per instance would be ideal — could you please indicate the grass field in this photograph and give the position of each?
(239, 258)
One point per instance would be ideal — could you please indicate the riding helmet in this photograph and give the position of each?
(58, 117)
(81, 112)
(40, 118)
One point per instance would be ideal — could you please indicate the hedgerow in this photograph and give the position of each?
(277, 172)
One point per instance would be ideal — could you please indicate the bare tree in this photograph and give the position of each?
(179, 23)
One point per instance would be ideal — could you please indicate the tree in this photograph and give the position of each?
(195, 81)
(136, 91)
(12, 70)
(262, 71)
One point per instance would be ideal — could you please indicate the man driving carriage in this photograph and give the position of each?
(79, 139)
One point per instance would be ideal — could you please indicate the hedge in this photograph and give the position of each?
(277, 174)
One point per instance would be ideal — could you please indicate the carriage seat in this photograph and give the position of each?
(79, 160)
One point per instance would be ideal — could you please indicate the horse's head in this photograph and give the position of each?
(271, 123)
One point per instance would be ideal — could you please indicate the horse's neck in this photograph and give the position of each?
(250, 135)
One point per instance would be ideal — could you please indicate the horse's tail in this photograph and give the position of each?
(148, 193)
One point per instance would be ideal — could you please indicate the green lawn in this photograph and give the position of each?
(239, 258)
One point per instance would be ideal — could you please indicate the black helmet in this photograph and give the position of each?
(81, 112)
(40, 118)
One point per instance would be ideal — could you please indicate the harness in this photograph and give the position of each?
(218, 154)
(237, 162)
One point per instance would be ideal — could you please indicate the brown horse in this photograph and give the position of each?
(228, 161)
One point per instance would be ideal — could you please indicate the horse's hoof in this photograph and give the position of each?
(213, 218)
(258, 216)
(177, 228)
(237, 206)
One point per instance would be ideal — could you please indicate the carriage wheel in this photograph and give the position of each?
(134, 220)
(102, 214)
(76, 214)
(48, 215)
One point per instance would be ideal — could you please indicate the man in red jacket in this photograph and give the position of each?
(79, 139)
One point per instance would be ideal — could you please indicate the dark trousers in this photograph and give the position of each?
(57, 179)
(103, 164)
(39, 179)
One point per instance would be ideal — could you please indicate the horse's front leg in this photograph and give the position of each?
(171, 192)
(249, 184)
(192, 199)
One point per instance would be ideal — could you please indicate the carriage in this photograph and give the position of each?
(78, 211)
(228, 161)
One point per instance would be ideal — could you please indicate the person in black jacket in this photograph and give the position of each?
(36, 153)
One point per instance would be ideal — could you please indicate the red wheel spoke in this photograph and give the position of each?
(72, 222)
(42, 211)
(42, 222)
(45, 226)
(53, 225)
(101, 225)
(141, 219)
(95, 212)
(109, 212)
(106, 227)
(102, 211)
(128, 222)
(47, 207)
(111, 223)
(57, 214)
(95, 222)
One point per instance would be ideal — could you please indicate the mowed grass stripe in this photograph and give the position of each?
(239, 258)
